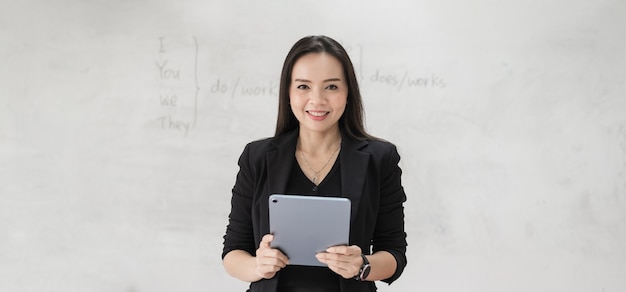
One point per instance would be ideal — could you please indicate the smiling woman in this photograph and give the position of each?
(512, 135)
(318, 96)
(320, 148)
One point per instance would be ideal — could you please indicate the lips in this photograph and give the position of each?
(318, 115)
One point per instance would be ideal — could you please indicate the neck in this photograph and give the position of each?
(316, 142)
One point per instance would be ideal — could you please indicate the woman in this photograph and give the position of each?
(320, 148)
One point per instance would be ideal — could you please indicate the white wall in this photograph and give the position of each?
(509, 115)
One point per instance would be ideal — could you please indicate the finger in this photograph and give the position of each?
(269, 265)
(333, 259)
(321, 257)
(328, 257)
(342, 269)
(344, 265)
(272, 256)
(266, 240)
(346, 250)
(281, 259)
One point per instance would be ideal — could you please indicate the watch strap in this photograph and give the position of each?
(364, 270)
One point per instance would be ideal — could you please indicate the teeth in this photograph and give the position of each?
(317, 114)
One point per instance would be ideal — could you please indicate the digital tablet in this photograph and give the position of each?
(305, 225)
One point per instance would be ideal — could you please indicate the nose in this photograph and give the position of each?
(317, 96)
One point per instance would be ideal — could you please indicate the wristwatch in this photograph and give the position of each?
(364, 271)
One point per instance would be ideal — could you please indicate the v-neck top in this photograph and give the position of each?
(321, 278)
(300, 184)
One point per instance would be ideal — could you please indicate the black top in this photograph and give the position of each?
(294, 276)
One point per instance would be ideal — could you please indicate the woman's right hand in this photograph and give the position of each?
(269, 260)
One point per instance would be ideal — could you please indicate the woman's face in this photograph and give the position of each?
(318, 92)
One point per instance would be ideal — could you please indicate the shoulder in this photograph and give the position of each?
(260, 145)
(379, 147)
(380, 144)
(259, 148)
(381, 152)
(255, 150)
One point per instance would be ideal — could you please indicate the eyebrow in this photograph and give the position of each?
(327, 80)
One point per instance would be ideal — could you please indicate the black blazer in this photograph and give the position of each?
(370, 178)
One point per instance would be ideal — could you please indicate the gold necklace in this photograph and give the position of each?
(315, 173)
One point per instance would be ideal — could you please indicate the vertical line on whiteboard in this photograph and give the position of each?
(235, 88)
(403, 80)
(195, 112)
(161, 49)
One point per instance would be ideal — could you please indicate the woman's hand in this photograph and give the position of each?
(343, 260)
(269, 260)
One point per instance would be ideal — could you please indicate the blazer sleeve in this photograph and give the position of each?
(389, 233)
(239, 231)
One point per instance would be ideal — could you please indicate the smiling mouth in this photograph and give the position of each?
(317, 113)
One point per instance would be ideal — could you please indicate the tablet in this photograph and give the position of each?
(306, 225)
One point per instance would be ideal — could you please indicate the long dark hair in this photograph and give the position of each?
(352, 122)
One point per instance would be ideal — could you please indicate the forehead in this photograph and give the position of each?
(321, 65)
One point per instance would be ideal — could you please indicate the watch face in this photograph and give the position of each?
(366, 272)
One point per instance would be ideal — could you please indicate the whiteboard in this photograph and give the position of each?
(121, 123)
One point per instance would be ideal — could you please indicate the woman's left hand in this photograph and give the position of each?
(343, 260)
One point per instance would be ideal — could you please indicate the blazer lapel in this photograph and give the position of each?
(280, 162)
(353, 171)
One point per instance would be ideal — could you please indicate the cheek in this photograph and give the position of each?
(343, 106)
(341, 100)
(295, 105)
(343, 110)
(295, 100)
(293, 97)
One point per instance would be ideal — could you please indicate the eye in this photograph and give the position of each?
(332, 87)
(302, 86)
